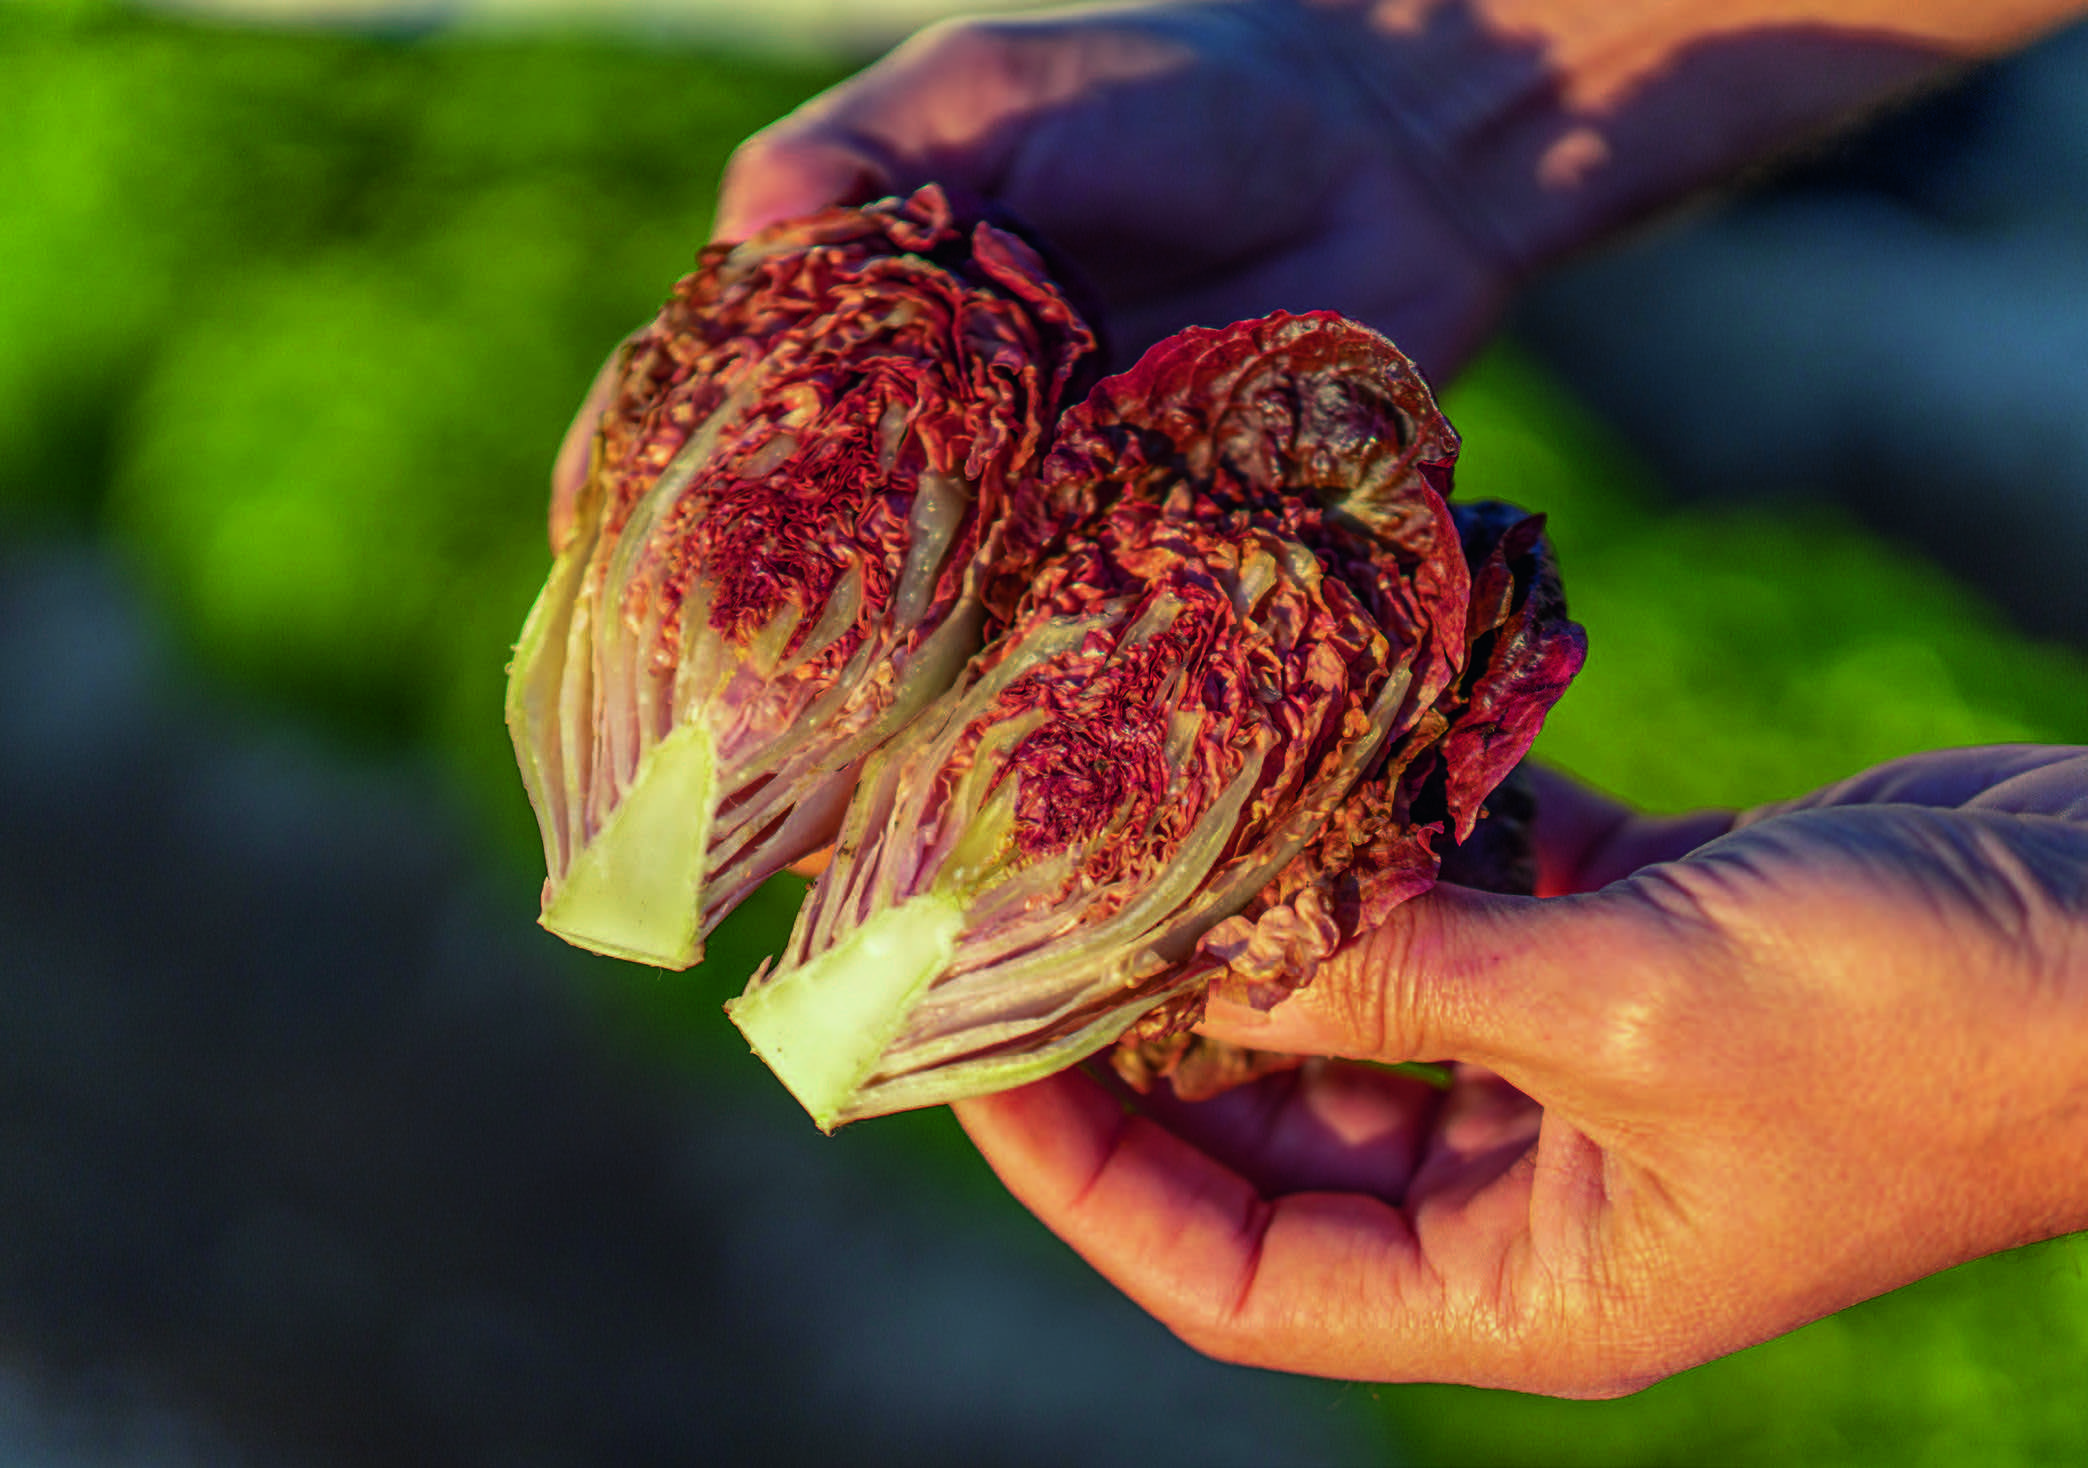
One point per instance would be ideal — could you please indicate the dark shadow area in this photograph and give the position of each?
(311, 1152)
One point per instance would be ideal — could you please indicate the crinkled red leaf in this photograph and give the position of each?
(1524, 651)
(787, 492)
(1173, 710)
(1515, 654)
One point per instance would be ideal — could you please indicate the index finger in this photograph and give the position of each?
(1328, 1283)
(789, 170)
(1531, 988)
(930, 110)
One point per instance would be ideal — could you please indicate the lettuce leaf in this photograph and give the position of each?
(1172, 712)
(1247, 667)
(769, 569)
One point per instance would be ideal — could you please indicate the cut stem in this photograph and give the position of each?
(635, 890)
(823, 1028)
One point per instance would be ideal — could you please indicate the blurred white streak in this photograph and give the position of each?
(800, 27)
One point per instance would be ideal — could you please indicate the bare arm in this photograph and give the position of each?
(1550, 123)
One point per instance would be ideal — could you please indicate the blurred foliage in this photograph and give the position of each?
(1749, 653)
(296, 321)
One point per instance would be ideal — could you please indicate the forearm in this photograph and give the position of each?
(1552, 123)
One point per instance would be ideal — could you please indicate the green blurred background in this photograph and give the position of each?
(291, 323)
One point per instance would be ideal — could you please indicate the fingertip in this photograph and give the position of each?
(781, 174)
(1296, 1025)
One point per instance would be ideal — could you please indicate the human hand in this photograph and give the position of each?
(1721, 1086)
(1198, 163)
(1209, 161)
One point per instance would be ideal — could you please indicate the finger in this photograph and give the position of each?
(1586, 839)
(794, 169)
(930, 111)
(1326, 1125)
(813, 865)
(1327, 1283)
(1532, 988)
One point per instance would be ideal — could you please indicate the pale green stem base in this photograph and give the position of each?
(635, 890)
(822, 1028)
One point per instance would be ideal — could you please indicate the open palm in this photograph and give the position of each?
(1836, 1049)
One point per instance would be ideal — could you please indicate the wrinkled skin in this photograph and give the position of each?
(1730, 1076)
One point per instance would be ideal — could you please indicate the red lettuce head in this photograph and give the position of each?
(1441, 800)
(1099, 823)
(767, 571)
(1247, 668)
(1172, 711)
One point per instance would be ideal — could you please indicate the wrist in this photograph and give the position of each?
(1545, 125)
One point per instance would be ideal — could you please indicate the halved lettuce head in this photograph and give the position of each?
(1246, 665)
(769, 569)
(1190, 699)
(1171, 714)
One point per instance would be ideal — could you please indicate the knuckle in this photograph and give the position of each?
(1625, 1367)
(1222, 1334)
(1417, 992)
(751, 153)
(762, 153)
(1663, 973)
(1590, 1354)
(1001, 63)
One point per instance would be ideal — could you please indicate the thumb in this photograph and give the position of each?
(1517, 984)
